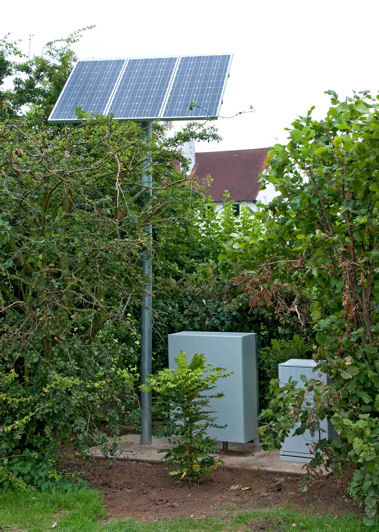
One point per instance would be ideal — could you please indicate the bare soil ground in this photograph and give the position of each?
(147, 492)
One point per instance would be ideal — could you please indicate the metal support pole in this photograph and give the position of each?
(147, 301)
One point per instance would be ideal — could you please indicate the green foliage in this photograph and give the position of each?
(362, 434)
(195, 266)
(72, 219)
(183, 399)
(290, 405)
(321, 240)
(37, 81)
(68, 268)
(278, 351)
(72, 232)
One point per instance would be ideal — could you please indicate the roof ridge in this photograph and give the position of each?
(234, 151)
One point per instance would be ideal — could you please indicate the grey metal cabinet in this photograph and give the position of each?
(236, 352)
(296, 448)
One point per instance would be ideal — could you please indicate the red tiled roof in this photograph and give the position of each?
(235, 171)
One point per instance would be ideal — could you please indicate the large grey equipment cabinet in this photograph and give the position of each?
(296, 448)
(238, 408)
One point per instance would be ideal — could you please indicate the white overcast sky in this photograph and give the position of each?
(286, 53)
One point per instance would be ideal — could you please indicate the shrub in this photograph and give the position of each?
(321, 240)
(183, 400)
(277, 352)
(71, 242)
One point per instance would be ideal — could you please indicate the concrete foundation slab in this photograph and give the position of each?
(240, 456)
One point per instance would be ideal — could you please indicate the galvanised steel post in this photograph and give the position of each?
(147, 302)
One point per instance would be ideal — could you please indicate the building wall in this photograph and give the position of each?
(252, 206)
(267, 195)
(188, 150)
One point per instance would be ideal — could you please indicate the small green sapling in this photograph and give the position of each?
(183, 400)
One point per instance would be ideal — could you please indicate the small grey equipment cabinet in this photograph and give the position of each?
(296, 448)
(238, 408)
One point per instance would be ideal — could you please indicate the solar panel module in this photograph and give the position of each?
(172, 88)
(142, 88)
(89, 86)
(198, 87)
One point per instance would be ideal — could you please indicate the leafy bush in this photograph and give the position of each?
(183, 399)
(71, 242)
(195, 264)
(277, 352)
(321, 242)
(67, 272)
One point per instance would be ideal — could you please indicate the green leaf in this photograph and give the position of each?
(365, 397)
(315, 310)
(352, 370)
(363, 107)
(296, 135)
(345, 375)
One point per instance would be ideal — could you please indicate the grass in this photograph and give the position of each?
(83, 511)
(36, 511)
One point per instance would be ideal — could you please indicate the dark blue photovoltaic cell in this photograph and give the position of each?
(198, 87)
(89, 87)
(142, 88)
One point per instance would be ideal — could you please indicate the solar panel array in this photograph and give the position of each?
(143, 89)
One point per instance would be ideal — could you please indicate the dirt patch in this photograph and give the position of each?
(147, 492)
